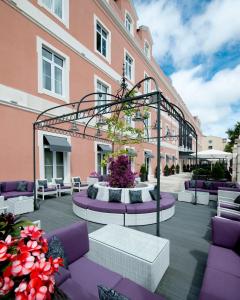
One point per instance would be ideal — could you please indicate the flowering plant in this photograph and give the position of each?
(94, 174)
(121, 174)
(25, 272)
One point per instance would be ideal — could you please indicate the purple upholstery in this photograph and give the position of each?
(88, 275)
(218, 285)
(150, 206)
(76, 292)
(134, 291)
(50, 189)
(225, 260)
(65, 187)
(225, 233)
(61, 276)
(74, 239)
(9, 186)
(230, 216)
(14, 194)
(82, 201)
(200, 184)
(215, 186)
(212, 192)
(30, 186)
(224, 188)
(229, 205)
(109, 207)
(222, 274)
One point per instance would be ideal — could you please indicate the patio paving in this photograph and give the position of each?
(189, 232)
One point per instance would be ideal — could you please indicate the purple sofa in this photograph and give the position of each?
(215, 186)
(222, 275)
(9, 189)
(82, 277)
(81, 200)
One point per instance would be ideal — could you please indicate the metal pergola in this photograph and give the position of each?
(88, 108)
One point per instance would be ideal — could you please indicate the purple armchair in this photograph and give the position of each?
(9, 189)
(82, 277)
(222, 274)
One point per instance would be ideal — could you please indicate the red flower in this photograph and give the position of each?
(23, 264)
(4, 248)
(6, 285)
(38, 290)
(32, 231)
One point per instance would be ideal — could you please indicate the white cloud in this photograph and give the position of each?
(211, 100)
(204, 33)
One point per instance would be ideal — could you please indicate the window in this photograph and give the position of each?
(55, 7)
(101, 88)
(102, 37)
(52, 71)
(53, 164)
(147, 87)
(147, 49)
(147, 127)
(100, 157)
(210, 141)
(128, 23)
(128, 66)
(210, 147)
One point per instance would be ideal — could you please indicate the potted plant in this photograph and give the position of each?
(143, 173)
(172, 170)
(177, 169)
(166, 171)
(25, 270)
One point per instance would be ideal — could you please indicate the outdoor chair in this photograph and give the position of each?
(227, 208)
(3, 206)
(62, 187)
(44, 189)
(78, 185)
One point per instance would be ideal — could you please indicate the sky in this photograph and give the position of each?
(197, 45)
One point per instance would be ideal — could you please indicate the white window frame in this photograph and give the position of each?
(147, 82)
(65, 76)
(96, 153)
(150, 165)
(108, 48)
(148, 55)
(127, 14)
(133, 66)
(66, 156)
(65, 12)
(149, 127)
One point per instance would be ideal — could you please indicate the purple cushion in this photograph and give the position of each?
(30, 186)
(223, 259)
(10, 186)
(50, 189)
(76, 292)
(229, 205)
(82, 201)
(229, 189)
(89, 275)
(61, 276)
(150, 206)
(225, 233)
(74, 239)
(8, 195)
(200, 183)
(230, 216)
(109, 207)
(66, 187)
(218, 285)
(134, 291)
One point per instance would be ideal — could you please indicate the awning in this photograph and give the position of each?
(104, 148)
(169, 157)
(59, 144)
(131, 152)
(148, 154)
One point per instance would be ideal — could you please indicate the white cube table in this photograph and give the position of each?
(138, 256)
(185, 196)
(202, 197)
(20, 205)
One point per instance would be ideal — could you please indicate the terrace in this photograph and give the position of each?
(189, 232)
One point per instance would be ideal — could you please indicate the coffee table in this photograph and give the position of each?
(20, 205)
(138, 256)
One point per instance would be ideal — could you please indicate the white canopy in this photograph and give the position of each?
(213, 154)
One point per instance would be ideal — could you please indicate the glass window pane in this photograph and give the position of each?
(48, 172)
(104, 47)
(46, 53)
(46, 75)
(58, 60)
(58, 80)
(58, 8)
(104, 34)
(98, 27)
(48, 156)
(99, 42)
(99, 159)
(59, 158)
(60, 172)
(48, 3)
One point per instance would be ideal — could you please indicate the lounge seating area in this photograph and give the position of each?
(222, 274)
(82, 277)
(12, 189)
(105, 212)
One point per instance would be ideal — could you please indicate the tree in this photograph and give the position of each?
(233, 134)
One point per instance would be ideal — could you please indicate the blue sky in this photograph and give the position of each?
(197, 44)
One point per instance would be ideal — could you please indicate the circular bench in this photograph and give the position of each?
(105, 212)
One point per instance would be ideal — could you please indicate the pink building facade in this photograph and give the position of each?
(55, 52)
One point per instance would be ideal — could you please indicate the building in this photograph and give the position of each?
(55, 52)
(213, 142)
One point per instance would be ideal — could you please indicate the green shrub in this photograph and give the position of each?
(217, 171)
(166, 171)
(177, 169)
(143, 173)
(172, 170)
